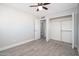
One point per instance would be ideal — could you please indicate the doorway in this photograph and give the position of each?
(43, 29)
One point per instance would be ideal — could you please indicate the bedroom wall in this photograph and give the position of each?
(16, 26)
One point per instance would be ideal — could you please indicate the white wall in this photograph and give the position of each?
(15, 26)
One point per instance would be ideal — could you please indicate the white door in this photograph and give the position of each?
(61, 29)
(67, 31)
(55, 30)
(37, 29)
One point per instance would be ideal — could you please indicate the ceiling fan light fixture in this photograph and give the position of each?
(40, 7)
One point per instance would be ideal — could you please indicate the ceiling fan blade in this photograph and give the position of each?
(46, 3)
(45, 8)
(33, 6)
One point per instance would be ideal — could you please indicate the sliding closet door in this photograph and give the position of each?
(61, 29)
(67, 31)
(55, 30)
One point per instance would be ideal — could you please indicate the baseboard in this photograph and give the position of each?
(14, 45)
(78, 50)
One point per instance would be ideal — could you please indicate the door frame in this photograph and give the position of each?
(73, 26)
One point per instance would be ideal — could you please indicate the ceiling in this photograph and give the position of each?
(52, 8)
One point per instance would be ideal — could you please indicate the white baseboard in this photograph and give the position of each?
(78, 50)
(14, 45)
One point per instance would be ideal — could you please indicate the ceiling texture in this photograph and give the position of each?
(52, 8)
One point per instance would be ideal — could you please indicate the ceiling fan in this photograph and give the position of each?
(40, 6)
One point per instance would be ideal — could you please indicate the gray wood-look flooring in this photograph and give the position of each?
(41, 48)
